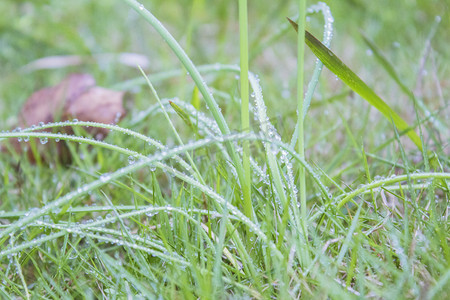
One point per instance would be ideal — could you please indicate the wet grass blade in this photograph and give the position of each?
(335, 65)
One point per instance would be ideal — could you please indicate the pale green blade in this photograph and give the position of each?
(335, 65)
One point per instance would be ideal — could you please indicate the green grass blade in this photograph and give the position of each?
(182, 114)
(335, 65)
(245, 114)
(301, 132)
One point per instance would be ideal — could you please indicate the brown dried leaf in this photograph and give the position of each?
(76, 97)
(105, 106)
(48, 104)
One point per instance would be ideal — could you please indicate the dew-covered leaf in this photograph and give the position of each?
(335, 65)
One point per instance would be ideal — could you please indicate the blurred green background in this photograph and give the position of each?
(99, 31)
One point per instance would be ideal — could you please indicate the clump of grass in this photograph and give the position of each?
(185, 219)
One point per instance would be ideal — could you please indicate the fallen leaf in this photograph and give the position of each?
(48, 104)
(104, 106)
(76, 97)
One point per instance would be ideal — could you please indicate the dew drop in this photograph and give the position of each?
(41, 123)
(75, 120)
(117, 117)
(105, 177)
(131, 159)
(43, 140)
(141, 6)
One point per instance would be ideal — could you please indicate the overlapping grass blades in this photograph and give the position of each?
(196, 77)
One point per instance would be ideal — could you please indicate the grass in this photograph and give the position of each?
(165, 206)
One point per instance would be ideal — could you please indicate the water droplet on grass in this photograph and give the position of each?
(141, 6)
(43, 140)
(105, 177)
(117, 117)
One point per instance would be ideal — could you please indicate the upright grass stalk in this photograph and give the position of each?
(300, 120)
(196, 77)
(245, 120)
(327, 36)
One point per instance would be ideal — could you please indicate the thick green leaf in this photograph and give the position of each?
(335, 65)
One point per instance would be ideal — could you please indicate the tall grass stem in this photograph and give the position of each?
(245, 117)
(300, 121)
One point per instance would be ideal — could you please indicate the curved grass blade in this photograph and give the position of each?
(335, 65)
